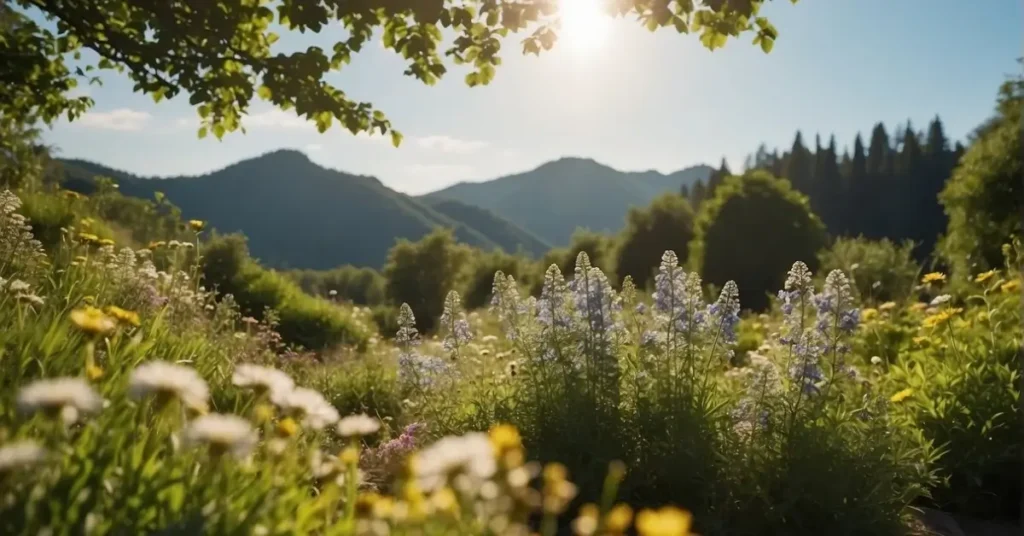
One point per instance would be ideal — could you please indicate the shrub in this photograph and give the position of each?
(360, 286)
(665, 225)
(753, 228)
(421, 274)
(880, 270)
(984, 196)
(480, 275)
(961, 380)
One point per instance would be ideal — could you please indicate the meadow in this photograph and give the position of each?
(138, 400)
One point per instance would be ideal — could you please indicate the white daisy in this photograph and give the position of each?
(358, 425)
(470, 455)
(31, 299)
(67, 396)
(18, 454)
(261, 378)
(223, 433)
(17, 285)
(941, 299)
(876, 360)
(311, 406)
(163, 378)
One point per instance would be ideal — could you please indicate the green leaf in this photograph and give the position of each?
(767, 44)
(396, 138)
(264, 92)
(202, 132)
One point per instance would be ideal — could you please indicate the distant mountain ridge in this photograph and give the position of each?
(297, 214)
(558, 197)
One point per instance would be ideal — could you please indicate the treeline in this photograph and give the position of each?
(887, 188)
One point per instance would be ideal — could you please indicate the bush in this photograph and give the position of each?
(360, 286)
(753, 228)
(881, 270)
(984, 196)
(961, 376)
(480, 271)
(421, 274)
(313, 323)
(665, 225)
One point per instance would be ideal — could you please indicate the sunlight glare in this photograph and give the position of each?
(585, 24)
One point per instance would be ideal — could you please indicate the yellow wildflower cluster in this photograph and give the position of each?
(941, 317)
(1010, 286)
(92, 321)
(887, 306)
(933, 277)
(984, 276)
(868, 314)
(123, 316)
(197, 225)
(902, 395)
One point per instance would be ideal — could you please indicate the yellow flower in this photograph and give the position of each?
(919, 306)
(940, 317)
(197, 225)
(505, 437)
(901, 396)
(92, 321)
(934, 277)
(287, 427)
(586, 522)
(106, 242)
(984, 276)
(93, 372)
(123, 316)
(1010, 286)
(868, 314)
(618, 519)
(666, 521)
(887, 306)
(88, 238)
(445, 501)
(983, 316)
(921, 341)
(349, 455)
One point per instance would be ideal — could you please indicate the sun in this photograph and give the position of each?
(585, 24)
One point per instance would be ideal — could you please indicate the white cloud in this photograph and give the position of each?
(448, 144)
(314, 147)
(124, 119)
(275, 118)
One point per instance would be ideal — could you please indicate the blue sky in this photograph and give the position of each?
(635, 101)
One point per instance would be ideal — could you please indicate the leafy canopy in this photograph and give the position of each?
(221, 52)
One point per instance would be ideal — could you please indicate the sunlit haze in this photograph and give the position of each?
(585, 25)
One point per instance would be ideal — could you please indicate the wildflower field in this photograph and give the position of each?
(133, 400)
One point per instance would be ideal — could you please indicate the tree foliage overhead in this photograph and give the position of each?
(221, 52)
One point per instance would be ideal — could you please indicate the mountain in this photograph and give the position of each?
(297, 214)
(557, 197)
(490, 225)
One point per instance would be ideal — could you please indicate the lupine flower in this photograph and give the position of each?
(222, 433)
(169, 380)
(261, 378)
(401, 445)
(726, 311)
(358, 425)
(20, 454)
(507, 304)
(471, 455)
(68, 397)
(552, 308)
(407, 334)
(453, 320)
(309, 405)
(420, 370)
